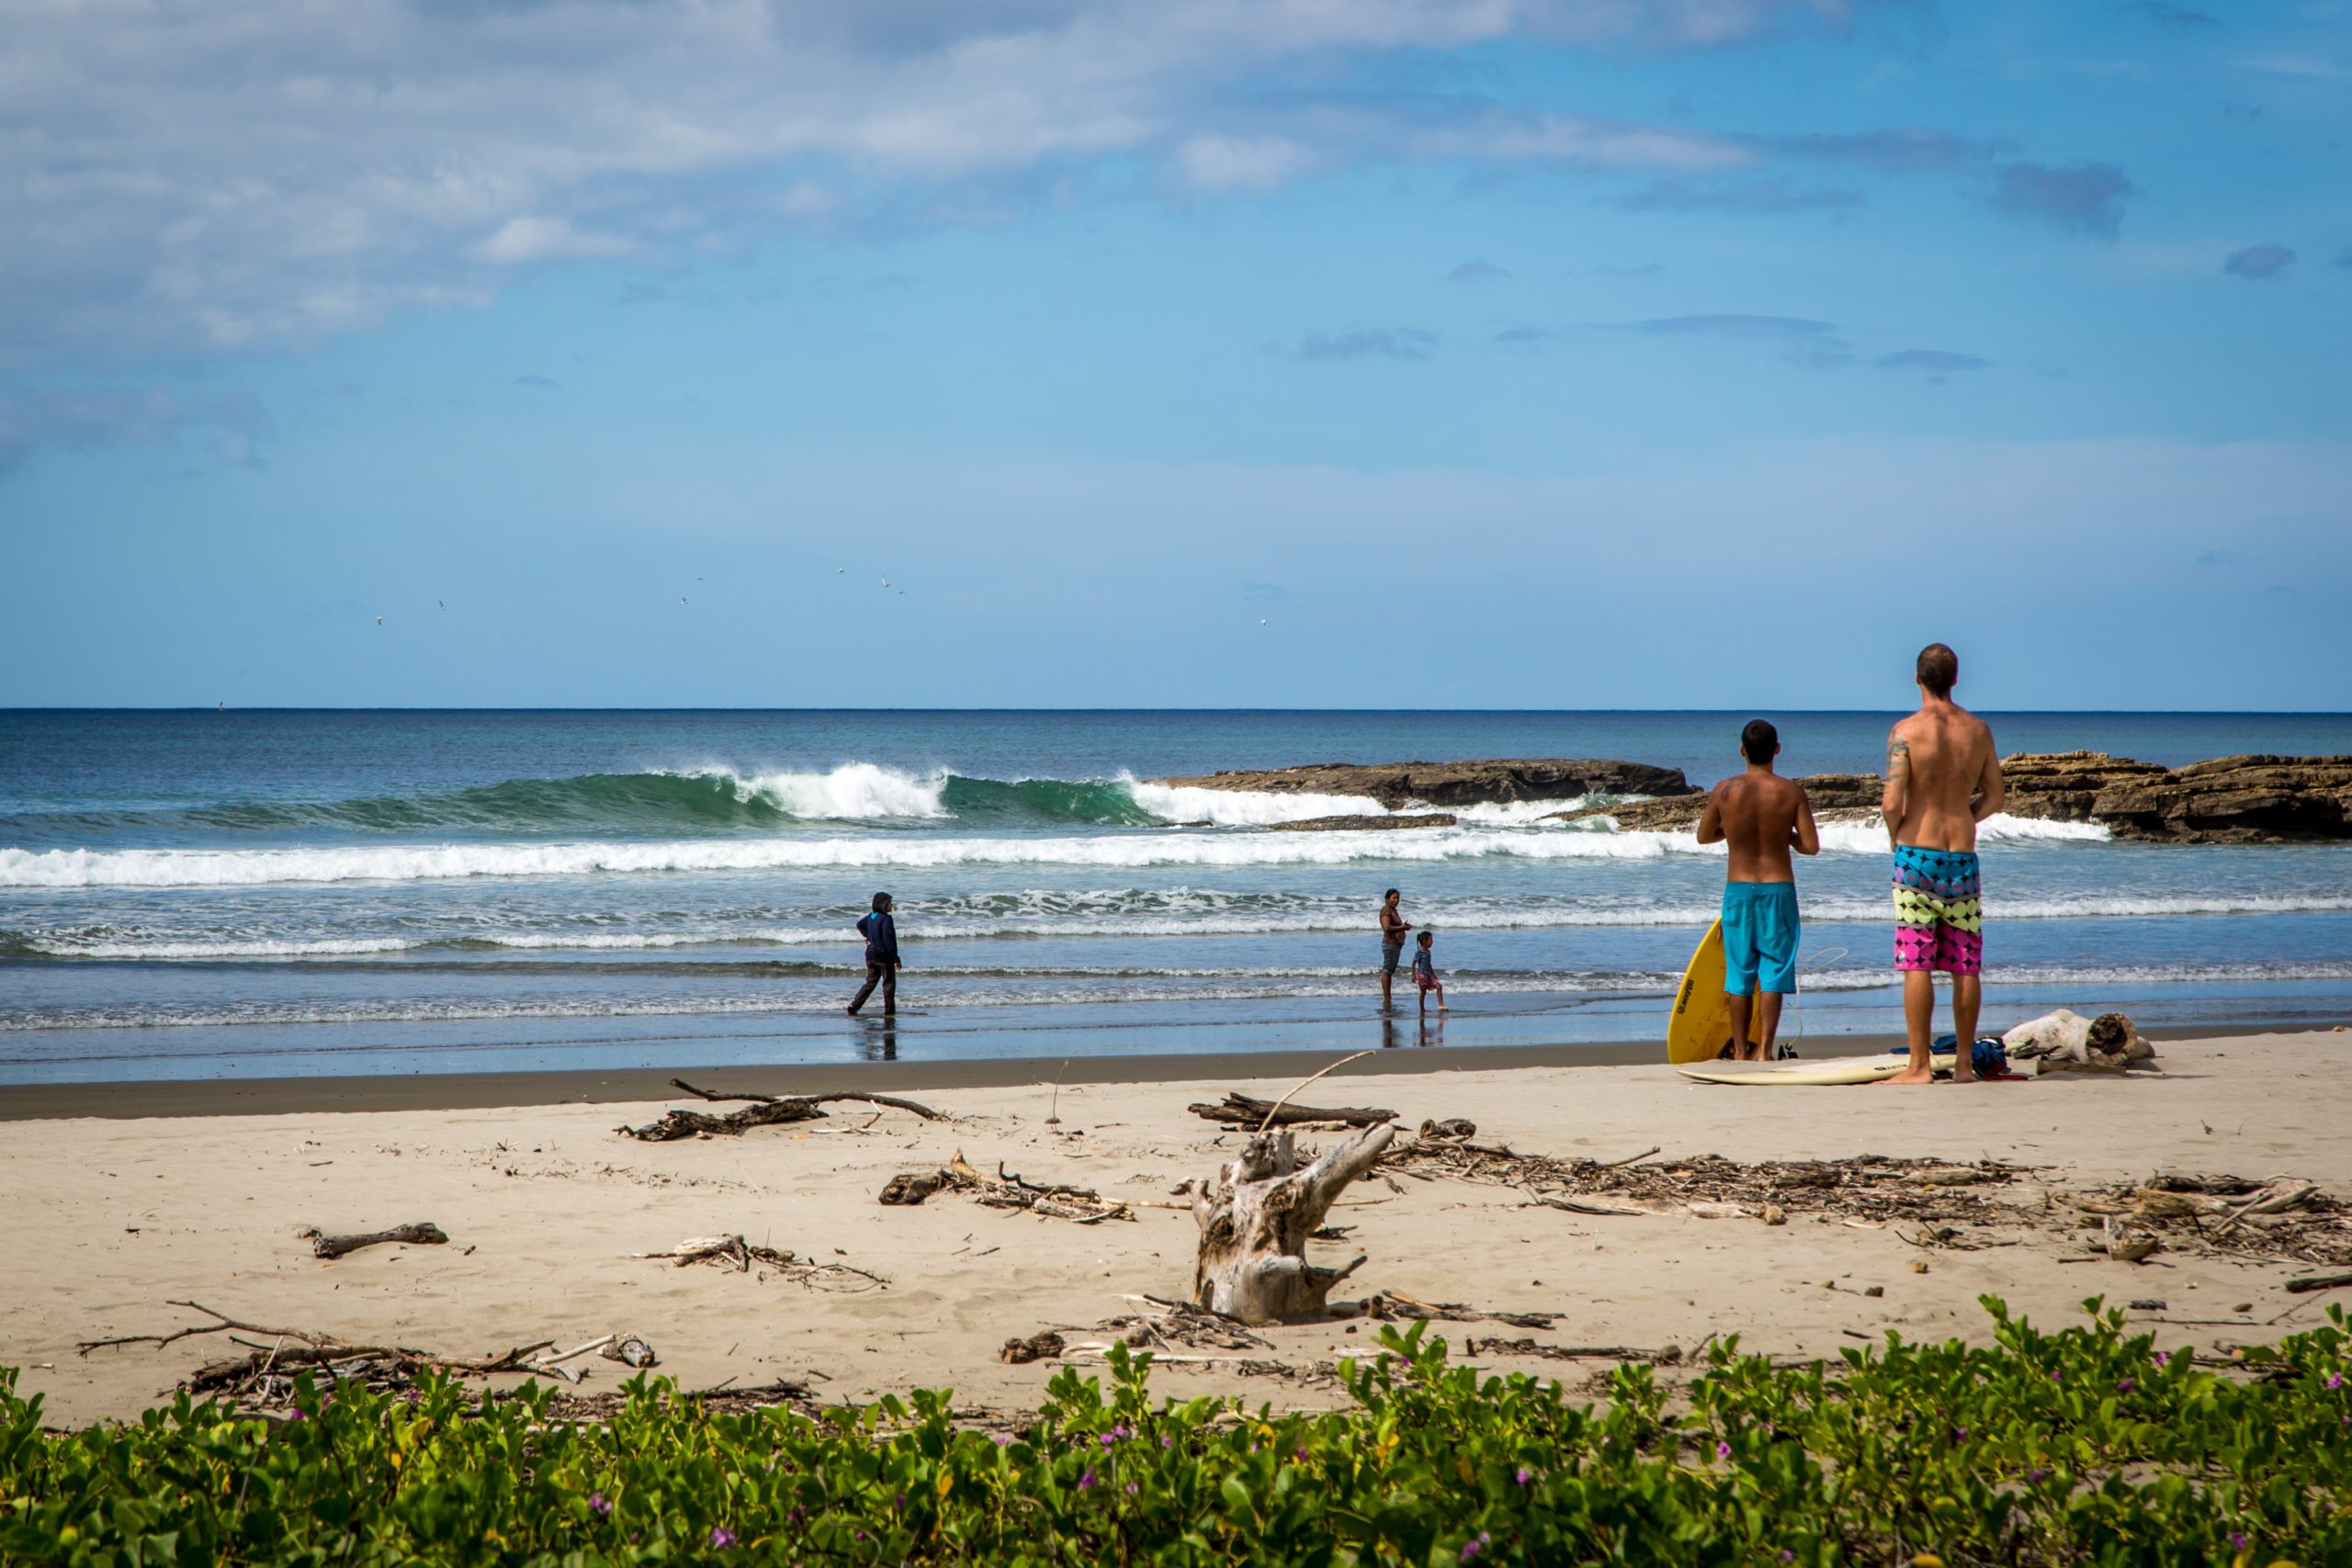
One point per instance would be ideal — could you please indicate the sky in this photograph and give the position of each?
(1527, 354)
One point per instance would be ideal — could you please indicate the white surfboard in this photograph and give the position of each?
(1828, 1070)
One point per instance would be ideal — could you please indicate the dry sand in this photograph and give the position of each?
(109, 1220)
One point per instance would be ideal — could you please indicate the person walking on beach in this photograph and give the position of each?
(1393, 927)
(1762, 817)
(1944, 777)
(881, 933)
(1425, 978)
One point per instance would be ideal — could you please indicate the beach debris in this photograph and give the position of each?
(2065, 1040)
(264, 1374)
(2277, 1219)
(1248, 1111)
(1397, 1305)
(1665, 1355)
(1163, 1324)
(1045, 1346)
(1451, 1127)
(1005, 1189)
(734, 1252)
(764, 1110)
(423, 1234)
(1257, 1216)
(1873, 1189)
(2318, 1281)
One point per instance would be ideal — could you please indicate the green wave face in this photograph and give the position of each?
(681, 803)
(1098, 802)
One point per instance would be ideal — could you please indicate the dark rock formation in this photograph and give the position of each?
(1377, 824)
(2229, 800)
(2233, 800)
(1395, 784)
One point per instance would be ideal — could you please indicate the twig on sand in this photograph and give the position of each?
(1334, 1067)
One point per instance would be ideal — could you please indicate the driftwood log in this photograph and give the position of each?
(1256, 1218)
(420, 1235)
(1005, 1189)
(764, 1110)
(1251, 1113)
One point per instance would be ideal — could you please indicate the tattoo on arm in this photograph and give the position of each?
(1898, 757)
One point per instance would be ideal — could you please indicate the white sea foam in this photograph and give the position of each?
(857, 792)
(1245, 808)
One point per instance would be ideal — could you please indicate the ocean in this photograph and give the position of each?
(280, 893)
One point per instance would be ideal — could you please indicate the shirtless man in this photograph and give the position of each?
(1393, 927)
(1763, 817)
(1943, 778)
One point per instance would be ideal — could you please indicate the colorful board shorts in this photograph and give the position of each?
(1759, 937)
(1938, 910)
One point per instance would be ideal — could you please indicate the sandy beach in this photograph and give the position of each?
(111, 1219)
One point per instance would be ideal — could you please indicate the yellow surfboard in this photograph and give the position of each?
(1700, 1025)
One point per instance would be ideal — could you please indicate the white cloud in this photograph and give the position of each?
(177, 178)
(523, 240)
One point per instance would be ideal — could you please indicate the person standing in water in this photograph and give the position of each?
(1393, 927)
(881, 933)
(1762, 817)
(1944, 777)
(1425, 978)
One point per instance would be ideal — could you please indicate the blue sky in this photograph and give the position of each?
(1515, 353)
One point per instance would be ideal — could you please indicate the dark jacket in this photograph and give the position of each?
(881, 933)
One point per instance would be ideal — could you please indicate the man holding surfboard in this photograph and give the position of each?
(1944, 777)
(1762, 817)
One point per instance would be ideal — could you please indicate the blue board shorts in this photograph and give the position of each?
(1391, 954)
(1760, 928)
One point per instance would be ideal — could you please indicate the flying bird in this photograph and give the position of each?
(379, 620)
(682, 598)
(885, 582)
(443, 603)
(1261, 620)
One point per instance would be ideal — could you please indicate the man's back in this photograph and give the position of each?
(1939, 761)
(1758, 812)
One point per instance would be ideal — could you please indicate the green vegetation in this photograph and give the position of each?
(2089, 1445)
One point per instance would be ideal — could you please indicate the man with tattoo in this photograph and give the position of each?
(1944, 777)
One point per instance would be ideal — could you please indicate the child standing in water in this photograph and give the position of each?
(1425, 973)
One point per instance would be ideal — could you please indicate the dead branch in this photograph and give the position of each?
(261, 1370)
(1004, 1191)
(765, 1110)
(2319, 1282)
(1394, 1304)
(733, 1251)
(1249, 1111)
(423, 1234)
(925, 1111)
(1666, 1354)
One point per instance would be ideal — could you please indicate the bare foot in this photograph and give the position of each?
(1912, 1075)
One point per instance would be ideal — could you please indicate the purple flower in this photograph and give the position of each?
(2036, 1476)
(1723, 1451)
(2162, 1358)
(1787, 1556)
(2057, 1377)
(2126, 1386)
(1133, 1487)
(1525, 1476)
(1108, 1439)
(1960, 1434)
(1472, 1548)
(2336, 1380)
(1167, 1442)
(2237, 1540)
(1087, 1480)
(599, 1504)
(1003, 1440)
(722, 1537)
(1122, 1430)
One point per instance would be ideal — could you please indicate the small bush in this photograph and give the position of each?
(2084, 1445)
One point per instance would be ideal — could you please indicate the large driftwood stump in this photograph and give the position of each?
(1256, 1220)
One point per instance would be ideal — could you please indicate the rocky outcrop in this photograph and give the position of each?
(2229, 800)
(1371, 824)
(2233, 800)
(1395, 784)
(2065, 786)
